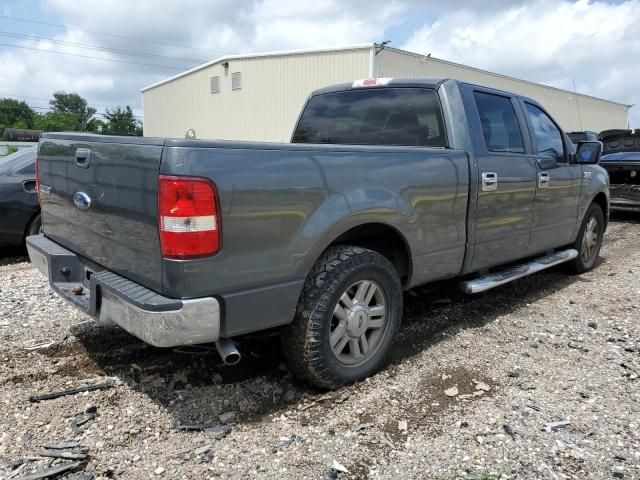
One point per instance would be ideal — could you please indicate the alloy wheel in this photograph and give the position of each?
(589, 240)
(358, 322)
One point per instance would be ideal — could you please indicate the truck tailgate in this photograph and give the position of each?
(99, 199)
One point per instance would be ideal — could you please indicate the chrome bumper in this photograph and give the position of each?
(157, 320)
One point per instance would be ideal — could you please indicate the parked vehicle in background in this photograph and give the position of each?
(388, 184)
(586, 136)
(621, 158)
(19, 208)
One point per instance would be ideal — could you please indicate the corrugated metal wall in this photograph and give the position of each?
(274, 89)
(596, 114)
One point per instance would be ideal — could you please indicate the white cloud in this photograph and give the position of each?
(541, 40)
(545, 41)
(212, 27)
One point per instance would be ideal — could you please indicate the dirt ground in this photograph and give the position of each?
(545, 372)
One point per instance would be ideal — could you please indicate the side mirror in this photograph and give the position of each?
(589, 152)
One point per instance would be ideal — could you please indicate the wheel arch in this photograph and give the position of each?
(382, 238)
(601, 200)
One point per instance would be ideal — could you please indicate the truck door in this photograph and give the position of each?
(555, 210)
(506, 176)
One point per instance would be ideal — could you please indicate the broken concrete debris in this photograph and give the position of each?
(451, 392)
(553, 426)
(218, 432)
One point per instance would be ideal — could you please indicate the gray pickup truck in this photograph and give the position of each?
(386, 185)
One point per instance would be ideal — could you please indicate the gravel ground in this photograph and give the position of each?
(536, 379)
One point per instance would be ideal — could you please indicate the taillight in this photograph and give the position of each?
(38, 179)
(188, 217)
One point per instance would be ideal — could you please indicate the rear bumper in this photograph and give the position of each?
(110, 298)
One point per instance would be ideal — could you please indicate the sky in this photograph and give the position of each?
(108, 50)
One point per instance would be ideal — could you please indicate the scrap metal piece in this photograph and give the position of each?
(63, 454)
(53, 471)
(73, 391)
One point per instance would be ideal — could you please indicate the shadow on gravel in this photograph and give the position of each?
(620, 216)
(194, 386)
(189, 381)
(438, 310)
(11, 255)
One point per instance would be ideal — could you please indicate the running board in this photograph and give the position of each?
(509, 274)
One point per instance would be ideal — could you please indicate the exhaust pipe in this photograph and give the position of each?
(228, 351)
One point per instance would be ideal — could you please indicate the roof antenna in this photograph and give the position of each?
(381, 45)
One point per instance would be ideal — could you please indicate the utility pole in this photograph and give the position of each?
(577, 103)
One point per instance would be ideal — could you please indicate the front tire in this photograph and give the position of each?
(347, 316)
(589, 240)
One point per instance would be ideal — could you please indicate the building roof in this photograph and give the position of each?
(516, 79)
(257, 55)
(361, 47)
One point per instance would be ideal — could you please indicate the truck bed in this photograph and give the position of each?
(279, 207)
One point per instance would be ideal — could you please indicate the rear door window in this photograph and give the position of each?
(384, 116)
(500, 127)
(548, 136)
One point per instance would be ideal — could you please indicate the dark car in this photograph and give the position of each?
(19, 209)
(622, 160)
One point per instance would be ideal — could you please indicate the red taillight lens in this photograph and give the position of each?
(188, 217)
(38, 179)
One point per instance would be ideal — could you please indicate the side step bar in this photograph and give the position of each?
(509, 274)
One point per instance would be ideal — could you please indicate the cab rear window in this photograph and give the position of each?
(385, 116)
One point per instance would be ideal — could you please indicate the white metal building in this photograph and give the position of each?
(259, 96)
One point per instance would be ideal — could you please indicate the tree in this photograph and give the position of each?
(72, 103)
(56, 122)
(15, 114)
(96, 125)
(121, 121)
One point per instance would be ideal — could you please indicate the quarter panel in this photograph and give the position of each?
(282, 205)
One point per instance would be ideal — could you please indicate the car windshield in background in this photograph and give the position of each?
(577, 137)
(19, 161)
(387, 116)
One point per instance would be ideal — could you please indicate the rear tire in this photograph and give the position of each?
(347, 316)
(589, 240)
(34, 227)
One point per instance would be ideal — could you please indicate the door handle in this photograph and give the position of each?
(83, 156)
(489, 181)
(543, 179)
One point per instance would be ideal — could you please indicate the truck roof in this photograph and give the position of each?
(417, 82)
(424, 82)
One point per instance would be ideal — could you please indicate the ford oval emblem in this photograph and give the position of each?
(82, 200)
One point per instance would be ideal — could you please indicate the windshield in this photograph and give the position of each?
(19, 161)
(385, 116)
